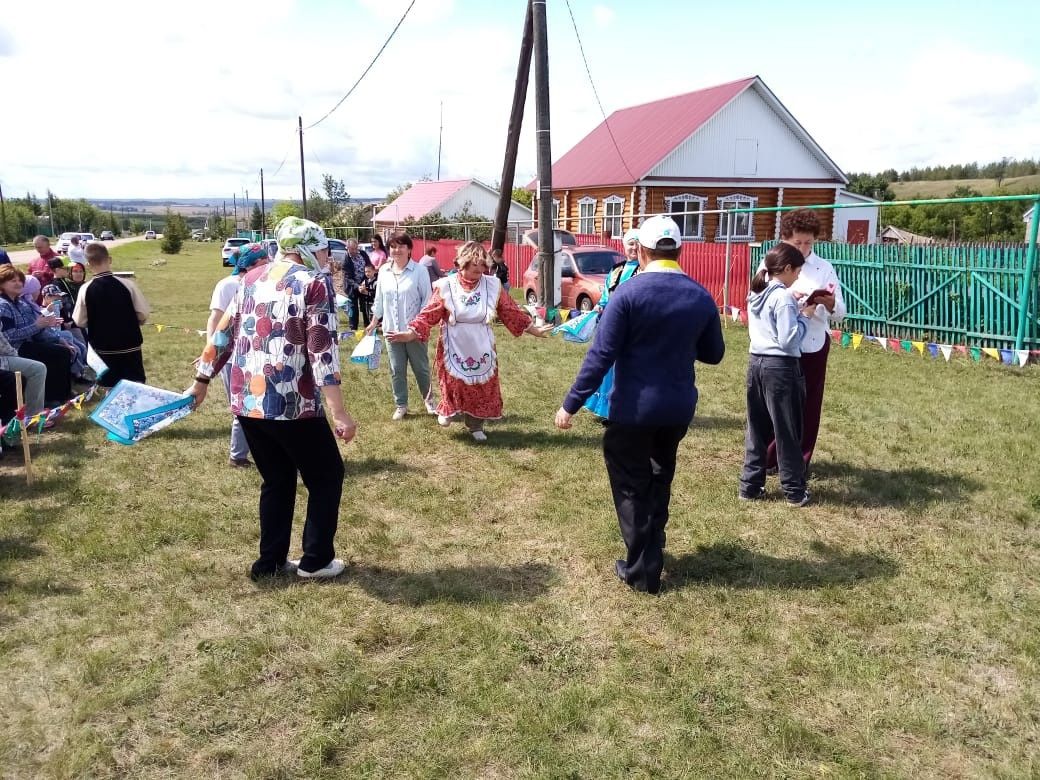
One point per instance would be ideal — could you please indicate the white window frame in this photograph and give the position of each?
(583, 218)
(556, 213)
(737, 200)
(686, 199)
(611, 221)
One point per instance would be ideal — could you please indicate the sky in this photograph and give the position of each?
(106, 100)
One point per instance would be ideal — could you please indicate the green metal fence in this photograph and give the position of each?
(958, 294)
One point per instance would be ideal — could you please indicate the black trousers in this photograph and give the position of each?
(128, 365)
(641, 464)
(58, 387)
(775, 403)
(281, 448)
(8, 396)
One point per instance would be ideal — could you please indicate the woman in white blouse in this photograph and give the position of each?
(402, 289)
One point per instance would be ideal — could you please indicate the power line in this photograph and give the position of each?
(596, 93)
(365, 73)
(286, 157)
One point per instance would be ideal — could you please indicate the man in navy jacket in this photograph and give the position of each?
(657, 324)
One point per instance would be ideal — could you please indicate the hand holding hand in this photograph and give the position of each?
(47, 321)
(401, 338)
(826, 300)
(563, 419)
(539, 331)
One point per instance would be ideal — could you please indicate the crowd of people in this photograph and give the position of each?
(272, 336)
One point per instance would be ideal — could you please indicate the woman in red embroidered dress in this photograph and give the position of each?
(464, 305)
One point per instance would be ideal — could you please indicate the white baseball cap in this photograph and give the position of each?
(630, 235)
(657, 229)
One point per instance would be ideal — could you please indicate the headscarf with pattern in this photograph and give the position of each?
(301, 237)
(248, 256)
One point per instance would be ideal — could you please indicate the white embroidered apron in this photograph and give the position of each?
(469, 344)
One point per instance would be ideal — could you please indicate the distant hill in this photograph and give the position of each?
(1015, 185)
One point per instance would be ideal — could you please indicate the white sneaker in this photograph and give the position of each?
(431, 407)
(399, 413)
(443, 420)
(334, 569)
(479, 436)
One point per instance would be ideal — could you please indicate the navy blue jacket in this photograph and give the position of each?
(657, 324)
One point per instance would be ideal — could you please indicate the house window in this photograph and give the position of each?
(612, 208)
(556, 213)
(692, 225)
(587, 216)
(741, 226)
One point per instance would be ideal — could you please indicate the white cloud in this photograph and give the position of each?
(603, 15)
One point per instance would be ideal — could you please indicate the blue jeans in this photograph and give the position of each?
(239, 446)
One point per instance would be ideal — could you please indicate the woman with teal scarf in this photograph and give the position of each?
(599, 402)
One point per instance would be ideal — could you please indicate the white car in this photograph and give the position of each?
(230, 246)
(63, 242)
(149, 234)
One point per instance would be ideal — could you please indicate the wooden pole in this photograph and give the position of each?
(25, 439)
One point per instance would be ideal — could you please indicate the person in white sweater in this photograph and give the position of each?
(801, 228)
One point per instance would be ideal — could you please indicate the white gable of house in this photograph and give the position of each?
(483, 201)
(746, 139)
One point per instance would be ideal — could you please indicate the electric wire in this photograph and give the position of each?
(365, 72)
(595, 92)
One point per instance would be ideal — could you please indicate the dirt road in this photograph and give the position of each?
(23, 257)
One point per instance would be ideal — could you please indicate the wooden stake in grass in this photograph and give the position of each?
(25, 438)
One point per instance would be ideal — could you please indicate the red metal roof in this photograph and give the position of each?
(420, 199)
(645, 134)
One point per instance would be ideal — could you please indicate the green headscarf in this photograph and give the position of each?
(301, 237)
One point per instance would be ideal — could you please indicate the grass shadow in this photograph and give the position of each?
(505, 438)
(456, 585)
(714, 423)
(736, 566)
(374, 466)
(874, 487)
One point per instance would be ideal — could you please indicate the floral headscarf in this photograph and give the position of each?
(301, 237)
(246, 257)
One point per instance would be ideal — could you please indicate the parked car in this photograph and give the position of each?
(107, 235)
(230, 246)
(197, 234)
(583, 273)
(149, 234)
(566, 237)
(63, 243)
(337, 250)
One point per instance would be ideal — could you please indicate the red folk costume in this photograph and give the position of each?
(467, 363)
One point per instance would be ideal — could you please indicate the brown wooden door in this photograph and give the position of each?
(858, 231)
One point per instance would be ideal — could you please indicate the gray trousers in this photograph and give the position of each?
(34, 378)
(402, 355)
(239, 449)
(775, 399)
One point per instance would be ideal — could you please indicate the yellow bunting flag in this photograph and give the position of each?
(359, 334)
(919, 346)
(158, 328)
(564, 314)
(992, 352)
(857, 339)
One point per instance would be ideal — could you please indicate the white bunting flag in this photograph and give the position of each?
(734, 313)
(1023, 357)
(946, 350)
(882, 341)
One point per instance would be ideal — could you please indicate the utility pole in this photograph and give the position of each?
(303, 176)
(546, 257)
(234, 204)
(440, 141)
(263, 208)
(50, 208)
(224, 225)
(516, 121)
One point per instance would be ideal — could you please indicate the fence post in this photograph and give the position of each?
(1027, 280)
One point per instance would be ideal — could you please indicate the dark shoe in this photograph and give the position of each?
(240, 463)
(621, 570)
(757, 496)
(287, 568)
(801, 500)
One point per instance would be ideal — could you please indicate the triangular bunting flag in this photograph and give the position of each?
(907, 345)
(734, 313)
(846, 339)
(919, 346)
(836, 335)
(976, 354)
(359, 334)
(1007, 356)
(187, 331)
(961, 348)
(1023, 357)
(882, 341)
(857, 339)
(158, 328)
(201, 333)
(933, 349)
(550, 316)
(946, 350)
(541, 312)
(893, 344)
(992, 352)
(565, 315)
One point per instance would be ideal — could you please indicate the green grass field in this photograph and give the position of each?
(1015, 185)
(890, 630)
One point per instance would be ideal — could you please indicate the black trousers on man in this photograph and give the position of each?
(641, 464)
(281, 448)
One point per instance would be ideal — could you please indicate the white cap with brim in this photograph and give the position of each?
(660, 229)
